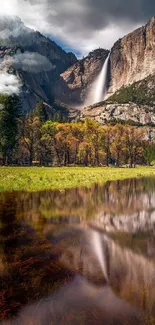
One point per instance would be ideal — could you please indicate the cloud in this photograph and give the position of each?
(12, 27)
(31, 62)
(9, 84)
(27, 61)
(82, 24)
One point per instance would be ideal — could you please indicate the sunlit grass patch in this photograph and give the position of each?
(39, 178)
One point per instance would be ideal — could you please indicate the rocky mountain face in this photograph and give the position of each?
(34, 59)
(114, 112)
(131, 93)
(74, 84)
(131, 79)
(13, 32)
(134, 103)
(133, 57)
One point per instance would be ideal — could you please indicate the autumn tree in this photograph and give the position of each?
(92, 137)
(134, 141)
(118, 148)
(62, 144)
(67, 143)
(106, 138)
(49, 143)
(30, 138)
(86, 153)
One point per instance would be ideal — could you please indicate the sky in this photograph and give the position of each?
(82, 25)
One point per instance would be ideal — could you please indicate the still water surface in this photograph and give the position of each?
(79, 256)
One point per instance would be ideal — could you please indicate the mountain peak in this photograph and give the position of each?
(13, 32)
(98, 52)
(33, 58)
(151, 20)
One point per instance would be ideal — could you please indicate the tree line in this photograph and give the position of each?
(36, 139)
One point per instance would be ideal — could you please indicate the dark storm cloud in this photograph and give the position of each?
(82, 24)
(90, 14)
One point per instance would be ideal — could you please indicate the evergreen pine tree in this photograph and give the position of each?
(9, 114)
(40, 111)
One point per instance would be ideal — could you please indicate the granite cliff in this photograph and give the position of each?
(131, 92)
(131, 79)
(116, 113)
(133, 57)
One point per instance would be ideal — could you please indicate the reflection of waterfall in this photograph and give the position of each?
(99, 88)
(98, 249)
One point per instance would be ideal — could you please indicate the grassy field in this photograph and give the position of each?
(42, 178)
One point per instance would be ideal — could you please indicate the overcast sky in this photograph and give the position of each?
(82, 25)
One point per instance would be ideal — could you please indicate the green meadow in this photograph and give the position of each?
(47, 178)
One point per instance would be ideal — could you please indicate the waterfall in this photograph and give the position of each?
(99, 89)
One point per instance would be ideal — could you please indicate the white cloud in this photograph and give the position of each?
(9, 84)
(32, 62)
(9, 7)
(12, 26)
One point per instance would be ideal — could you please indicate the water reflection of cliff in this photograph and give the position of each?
(37, 267)
(45, 244)
(132, 276)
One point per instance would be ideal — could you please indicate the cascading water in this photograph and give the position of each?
(99, 89)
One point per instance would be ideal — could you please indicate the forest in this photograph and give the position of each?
(37, 139)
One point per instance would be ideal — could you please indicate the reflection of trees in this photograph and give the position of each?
(31, 270)
(9, 226)
(114, 198)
